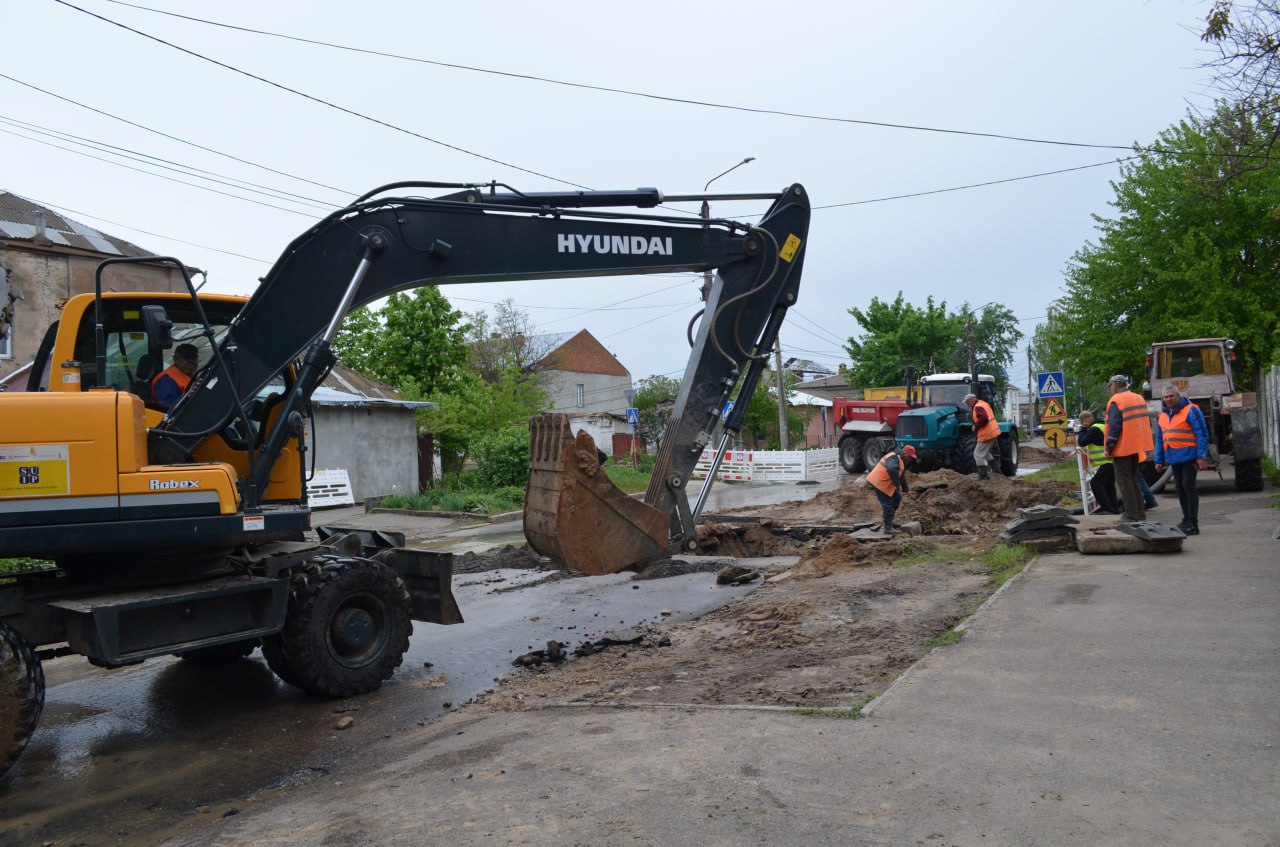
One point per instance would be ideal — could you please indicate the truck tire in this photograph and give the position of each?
(873, 451)
(1009, 453)
(218, 655)
(850, 448)
(1248, 475)
(964, 462)
(347, 628)
(21, 695)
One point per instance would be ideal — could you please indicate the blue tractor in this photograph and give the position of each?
(940, 426)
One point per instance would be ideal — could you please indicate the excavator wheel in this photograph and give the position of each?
(573, 512)
(346, 630)
(21, 695)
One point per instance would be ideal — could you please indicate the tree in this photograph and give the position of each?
(931, 340)
(1247, 68)
(473, 409)
(760, 424)
(415, 336)
(1187, 255)
(655, 397)
(509, 340)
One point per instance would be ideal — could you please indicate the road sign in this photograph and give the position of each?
(1053, 410)
(1055, 436)
(1051, 384)
(728, 407)
(633, 416)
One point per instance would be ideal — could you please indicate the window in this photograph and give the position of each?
(6, 345)
(582, 395)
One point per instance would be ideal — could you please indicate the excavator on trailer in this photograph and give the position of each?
(186, 530)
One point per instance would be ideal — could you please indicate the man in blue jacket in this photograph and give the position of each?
(1182, 442)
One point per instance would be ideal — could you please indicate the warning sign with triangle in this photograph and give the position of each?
(1053, 410)
(1051, 386)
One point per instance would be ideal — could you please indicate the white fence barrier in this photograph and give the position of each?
(772, 465)
(1269, 407)
(330, 488)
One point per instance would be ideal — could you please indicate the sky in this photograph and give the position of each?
(221, 146)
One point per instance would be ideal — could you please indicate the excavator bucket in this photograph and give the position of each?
(573, 512)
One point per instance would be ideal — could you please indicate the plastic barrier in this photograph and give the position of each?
(772, 465)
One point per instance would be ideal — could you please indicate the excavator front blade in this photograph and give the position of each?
(574, 513)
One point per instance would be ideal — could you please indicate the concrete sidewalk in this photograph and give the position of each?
(1125, 700)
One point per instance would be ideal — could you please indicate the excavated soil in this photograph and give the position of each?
(831, 628)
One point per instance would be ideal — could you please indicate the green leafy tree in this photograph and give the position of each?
(897, 335)
(655, 397)
(760, 424)
(416, 335)
(1187, 254)
(930, 339)
(473, 409)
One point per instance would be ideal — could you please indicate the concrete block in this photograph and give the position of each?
(1112, 541)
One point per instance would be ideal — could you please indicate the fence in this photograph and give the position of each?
(1269, 412)
(772, 465)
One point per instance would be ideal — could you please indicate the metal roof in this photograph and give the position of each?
(23, 220)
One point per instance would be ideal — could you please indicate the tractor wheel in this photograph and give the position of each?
(218, 655)
(1249, 475)
(964, 454)
(21, 695)
(873, 451)
(851, 454)
(1009, 454)
(347, 627)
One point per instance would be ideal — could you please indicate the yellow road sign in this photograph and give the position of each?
(1053, 409)
(1055, 436)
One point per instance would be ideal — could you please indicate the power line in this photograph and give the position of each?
(313, 98)
(623, 91)
(171, 137)
(165, 164)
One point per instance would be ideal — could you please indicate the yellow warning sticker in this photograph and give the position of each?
(789, 248)
(36, 470)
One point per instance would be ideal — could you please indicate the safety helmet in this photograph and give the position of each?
(909, 451)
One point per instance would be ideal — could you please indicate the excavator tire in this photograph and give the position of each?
(573, 512)
(346, 630)
(850, 448)
(21, 695)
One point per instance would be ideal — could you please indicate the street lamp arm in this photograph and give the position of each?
(735, 167)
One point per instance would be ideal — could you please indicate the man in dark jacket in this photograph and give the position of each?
(889, 480)
(1092, 439)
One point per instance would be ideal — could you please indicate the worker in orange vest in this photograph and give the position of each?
(889, 480)
(1128, 442)
(1182, 443)
(172, 382)
(987, 429)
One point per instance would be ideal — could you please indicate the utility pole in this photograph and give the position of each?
(783, 435)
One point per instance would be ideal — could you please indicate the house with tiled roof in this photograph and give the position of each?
(584, 380)
(46, 257)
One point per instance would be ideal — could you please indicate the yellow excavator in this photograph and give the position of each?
(186, 530)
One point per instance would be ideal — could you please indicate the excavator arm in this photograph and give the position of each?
(379, 246)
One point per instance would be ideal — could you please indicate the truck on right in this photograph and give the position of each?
(1204, 371)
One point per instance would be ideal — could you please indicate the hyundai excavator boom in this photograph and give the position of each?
(185, 530)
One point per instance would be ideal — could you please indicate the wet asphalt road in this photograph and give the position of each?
(140, 754)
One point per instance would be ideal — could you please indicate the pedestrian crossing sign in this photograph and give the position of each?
(1053, 410)
(1051, 384)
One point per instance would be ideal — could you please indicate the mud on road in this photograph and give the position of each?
(829, 632)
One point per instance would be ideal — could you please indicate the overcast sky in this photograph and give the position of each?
(1112, 72)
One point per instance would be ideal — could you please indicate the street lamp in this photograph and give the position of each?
(706, 215)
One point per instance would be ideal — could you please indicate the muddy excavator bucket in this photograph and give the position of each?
(574, 513)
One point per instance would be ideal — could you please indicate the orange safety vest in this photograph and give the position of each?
(991, 431)
(879, 476)
(175, 373)
(1176, 430)
(1135, 434)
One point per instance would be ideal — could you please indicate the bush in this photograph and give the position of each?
(502, 458)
